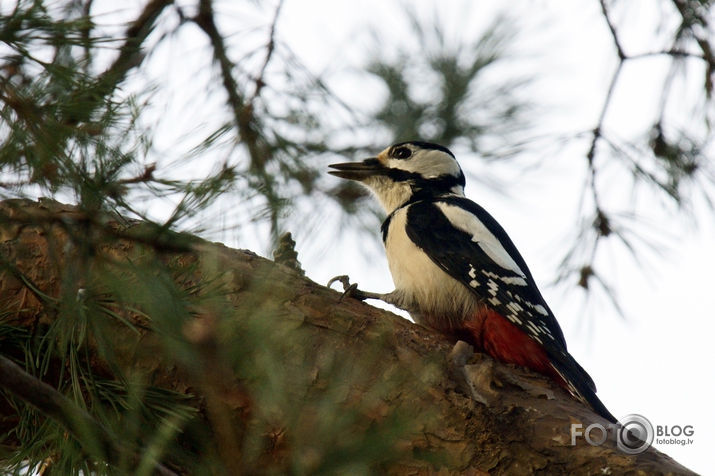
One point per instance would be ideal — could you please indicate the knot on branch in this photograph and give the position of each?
(286, 254)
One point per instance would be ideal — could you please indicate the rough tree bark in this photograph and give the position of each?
(479, 416)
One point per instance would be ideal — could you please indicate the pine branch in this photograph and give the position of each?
(242, 112)
(601, 226)
(270, 48)
(58, 407)
(689, 14)
(244, 117)
(130, 54)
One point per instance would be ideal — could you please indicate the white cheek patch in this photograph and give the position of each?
(468, 223)
(427, 163)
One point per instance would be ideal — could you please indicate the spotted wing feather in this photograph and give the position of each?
(482, 257)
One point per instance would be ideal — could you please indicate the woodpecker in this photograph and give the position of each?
(456, 270)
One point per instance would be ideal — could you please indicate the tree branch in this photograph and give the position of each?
(689, 13)
(78, 422)
(461, 411)
(270, 47)
(242, 112)
(616, 41)
(259, 152)
(601, 226)
(130, 55)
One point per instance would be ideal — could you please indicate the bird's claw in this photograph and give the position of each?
(343, 279)
(349, 290)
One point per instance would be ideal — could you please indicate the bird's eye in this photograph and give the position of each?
(402, 153)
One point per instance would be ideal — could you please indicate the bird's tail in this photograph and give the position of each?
(579, 384)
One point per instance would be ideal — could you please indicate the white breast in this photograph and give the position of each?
(432, 296)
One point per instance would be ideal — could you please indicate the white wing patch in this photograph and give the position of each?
(467, 222)
(506, 279)
(493, 287)
(541, 310)
(514, 307)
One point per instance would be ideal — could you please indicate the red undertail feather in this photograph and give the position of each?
(501, 339)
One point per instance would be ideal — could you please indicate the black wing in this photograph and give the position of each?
(481, 256)
(491, 267)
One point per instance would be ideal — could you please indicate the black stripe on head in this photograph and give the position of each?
(426, 186)
(426, 145)
(436, 186)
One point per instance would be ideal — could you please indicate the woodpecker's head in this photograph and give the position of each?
(404, 170)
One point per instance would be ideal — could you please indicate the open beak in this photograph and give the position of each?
(357, 170)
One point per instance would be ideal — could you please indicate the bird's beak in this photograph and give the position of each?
(357, 170)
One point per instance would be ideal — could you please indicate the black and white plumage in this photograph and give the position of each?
(456, 270)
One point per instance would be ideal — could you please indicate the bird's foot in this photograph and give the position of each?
(350, 290)
(479, 377)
